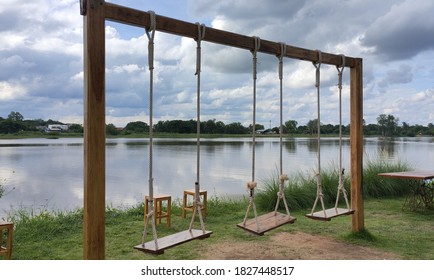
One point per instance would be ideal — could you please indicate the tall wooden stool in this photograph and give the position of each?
(6, 251)
(187, 206)
(158, 208)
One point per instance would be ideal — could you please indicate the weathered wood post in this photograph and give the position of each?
(94, 129)
(356, 144)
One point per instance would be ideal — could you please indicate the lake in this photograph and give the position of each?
(48, 173)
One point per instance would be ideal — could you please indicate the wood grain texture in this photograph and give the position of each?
(267, 222)
(356, 145)
(94, 132)
(139, 18)
(172, 240)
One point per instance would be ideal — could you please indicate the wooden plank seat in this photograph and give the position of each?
(172, 240)
(267, 222)
(329, 214)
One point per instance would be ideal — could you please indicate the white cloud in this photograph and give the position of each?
(9, 91)
(402, 32)
(41, 58)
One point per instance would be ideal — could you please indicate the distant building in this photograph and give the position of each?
(52, 128)
(265, 131)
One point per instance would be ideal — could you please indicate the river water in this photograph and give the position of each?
(48, 173)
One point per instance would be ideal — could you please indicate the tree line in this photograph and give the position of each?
(387, 126)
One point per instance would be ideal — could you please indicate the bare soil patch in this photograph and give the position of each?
(294, 246)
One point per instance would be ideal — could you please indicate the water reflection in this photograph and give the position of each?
(386, 147)
(48, 173)
(290, 146)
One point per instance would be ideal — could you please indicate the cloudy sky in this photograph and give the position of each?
(41, 60)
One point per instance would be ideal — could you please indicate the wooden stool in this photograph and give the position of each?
(7, 251)
(158, 208)
(189, 207)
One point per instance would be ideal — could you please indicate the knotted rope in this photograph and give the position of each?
(283, 177)
(341, 187)
(197, 203)
(257, 42)
(319, 194)
(251, 185)
(150, 32)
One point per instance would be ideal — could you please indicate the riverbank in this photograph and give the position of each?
(43, 135)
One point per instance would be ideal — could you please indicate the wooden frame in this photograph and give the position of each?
(95, 13)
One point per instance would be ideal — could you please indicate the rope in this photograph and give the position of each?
(197, 204)
(341, 187)
(257, 41)
(283, 177)
(201, 34)
(340, 72)
(282, 53)
(251, 185)
(319, 194)
(150, 32)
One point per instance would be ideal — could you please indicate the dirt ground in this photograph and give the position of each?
(294, 246)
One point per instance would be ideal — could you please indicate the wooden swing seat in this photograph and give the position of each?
(172, 240)
(267, 222)
(329, 214)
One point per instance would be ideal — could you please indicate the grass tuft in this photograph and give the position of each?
(363, 235)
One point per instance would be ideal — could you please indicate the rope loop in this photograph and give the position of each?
(340, 69)
(200, 31)
(257, 43)
(150, 32)
(281, 55)
(317, 65)
(200, 35)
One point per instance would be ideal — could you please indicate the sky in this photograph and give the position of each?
(41, 61)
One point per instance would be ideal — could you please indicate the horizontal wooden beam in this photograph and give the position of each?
(139, 18)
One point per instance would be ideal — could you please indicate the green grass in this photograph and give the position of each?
(59, 235)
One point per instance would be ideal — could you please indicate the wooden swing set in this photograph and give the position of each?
(95, 13)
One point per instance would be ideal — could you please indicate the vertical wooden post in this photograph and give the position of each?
(94, 130)
(356, 144)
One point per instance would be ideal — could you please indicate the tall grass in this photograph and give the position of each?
(300, 190)
(379, 187)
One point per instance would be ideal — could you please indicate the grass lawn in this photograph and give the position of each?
(59, 236)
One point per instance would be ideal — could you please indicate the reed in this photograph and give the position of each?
(300, 190)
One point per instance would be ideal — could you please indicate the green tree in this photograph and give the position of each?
(290, 126)
(257, 127)
(431, 129)
(76, 128)
(9, 126)
(382, 123)
(213, 127)
(372, 129)
(391, 125)
(15, 116)
(111, 129)
(137, 127)
(406, 129)
(312, 126)
(236, 128)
